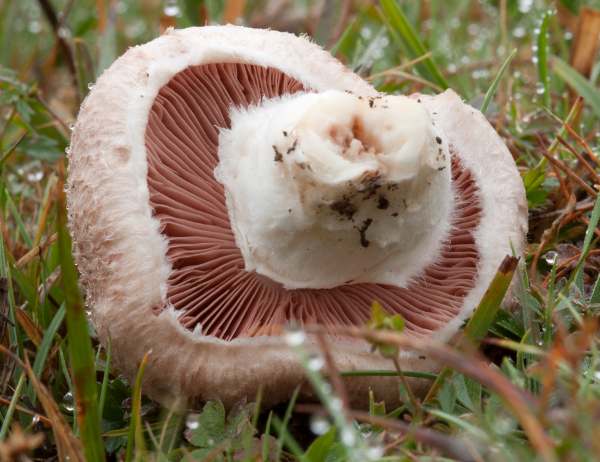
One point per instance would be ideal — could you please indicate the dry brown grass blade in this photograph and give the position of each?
(587, 40)
(564, 218)
(518, 401)
(19, 444)
(234, 9)
(24, 410)
(570, 173)
(583, 144)
(66, 443)
(584, 163)
(31, 329)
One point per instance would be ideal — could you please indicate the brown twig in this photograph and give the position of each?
(52, 18)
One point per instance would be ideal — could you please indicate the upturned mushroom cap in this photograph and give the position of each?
(164, 270)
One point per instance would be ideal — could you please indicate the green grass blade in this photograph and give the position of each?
(484, 315)
(282, 427)
(105, 377)
(482, 318)
(489, 95)
(401, 30)
(80, 344)
(288, 439)
(579, 83)
(587, 241)
(542, 57)
(42, 352)
(135, 435)
(11, 407)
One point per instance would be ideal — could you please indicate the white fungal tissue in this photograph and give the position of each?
(322, 189)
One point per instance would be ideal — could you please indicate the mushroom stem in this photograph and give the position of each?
(343, 182)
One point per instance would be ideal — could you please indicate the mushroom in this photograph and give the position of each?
(225, 182)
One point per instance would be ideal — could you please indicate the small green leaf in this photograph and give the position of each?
(211, 426)
(321, 447)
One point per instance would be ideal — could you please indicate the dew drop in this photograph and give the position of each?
(375, 452)
(192, 421)
(90, 85)
(348, 437)
(315, 363)
(336, 405)
(319, 424)
(519, 32)
(171, 9)
(551, 257)
(68, 402)
(35, 420)
(295, 338)
(34, 27)
(63, 32)
(72, 126)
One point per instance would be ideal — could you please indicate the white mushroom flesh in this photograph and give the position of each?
(321, 189)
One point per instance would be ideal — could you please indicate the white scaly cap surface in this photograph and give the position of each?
(328, 188)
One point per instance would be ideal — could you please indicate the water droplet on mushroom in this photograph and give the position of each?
(68, 402)
(90, 85)
(72, 126)
(315, 362)
(192, 421)
(295, 337)
(319, 424)
(550, 257)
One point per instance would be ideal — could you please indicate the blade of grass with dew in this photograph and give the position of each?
(105, 377)
(287, 440)
(579, 83)
(595, 297)
(542, 57)
(401, 29)
(42, 352)
(135, 435)
(79, 341)
(585, 249)
(489, 95)
(11, 407)
(483, 317)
